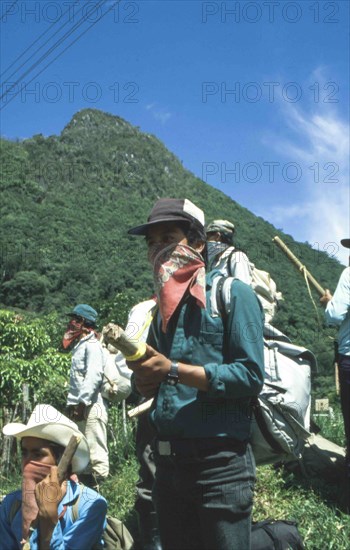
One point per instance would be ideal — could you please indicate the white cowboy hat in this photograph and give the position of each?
(46, 422)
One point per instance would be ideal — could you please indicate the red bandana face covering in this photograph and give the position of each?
(177, 268)
(33, 473)
(74, 330)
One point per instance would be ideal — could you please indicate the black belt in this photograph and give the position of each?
(195, 447)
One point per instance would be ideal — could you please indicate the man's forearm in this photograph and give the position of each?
(193, 376)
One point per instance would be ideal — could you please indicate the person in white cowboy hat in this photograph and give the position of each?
(338, 313)
(85, 403)
(40, 514)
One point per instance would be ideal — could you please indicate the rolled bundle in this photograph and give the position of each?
(113, 335)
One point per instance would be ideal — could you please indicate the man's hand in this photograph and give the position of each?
(48, 494)
(77, 412)
(150, 371)
(326, 297)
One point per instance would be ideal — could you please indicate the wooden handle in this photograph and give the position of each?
(67, 457)
(299, 265)
(137, 411)
(115, 335)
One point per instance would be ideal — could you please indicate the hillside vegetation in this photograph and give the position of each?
(68, 200)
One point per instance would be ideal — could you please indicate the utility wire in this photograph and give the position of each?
(62, 52)
(35, 41)
(50, 50)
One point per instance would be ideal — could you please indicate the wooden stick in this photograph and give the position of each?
(336, 374)
(140, 409)
(299, 265)
(67, 457)
(114, 335)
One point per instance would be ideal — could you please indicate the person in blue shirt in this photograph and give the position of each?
(204, 373)
(85, 402)
(40, 514)
(337, 313)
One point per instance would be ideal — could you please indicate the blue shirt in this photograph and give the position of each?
(86, 372)
(81, 534)
(338, 311)
(233, 359)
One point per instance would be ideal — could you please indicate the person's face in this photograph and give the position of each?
(39, 450)
(161, 235)
(213, 236)
(165, 234)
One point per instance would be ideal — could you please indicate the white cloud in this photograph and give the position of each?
(160, 114)
(319, 143)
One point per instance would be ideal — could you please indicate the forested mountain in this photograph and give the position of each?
(68, 200)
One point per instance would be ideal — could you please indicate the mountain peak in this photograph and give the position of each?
(94, 120)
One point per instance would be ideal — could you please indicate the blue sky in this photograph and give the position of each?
(251, 96)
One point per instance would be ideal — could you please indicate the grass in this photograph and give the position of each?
(332, 427)
(280, 492)
(282, 495)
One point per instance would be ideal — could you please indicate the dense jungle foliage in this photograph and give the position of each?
(30, 354)
(68, 200)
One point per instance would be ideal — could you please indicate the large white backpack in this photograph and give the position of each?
(261, 282)
(281, 420)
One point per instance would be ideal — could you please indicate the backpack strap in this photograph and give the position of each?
(75, 506)
(15, 506)
(219, 298)
(261, 422)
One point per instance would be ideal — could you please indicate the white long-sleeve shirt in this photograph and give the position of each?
(86, 372)
(338, 311)
(235, 263)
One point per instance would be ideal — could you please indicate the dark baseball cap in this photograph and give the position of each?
(171, 210)
(345, 242)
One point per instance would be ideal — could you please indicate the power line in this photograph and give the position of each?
(35, 41)
(55, 46)
(62, 52)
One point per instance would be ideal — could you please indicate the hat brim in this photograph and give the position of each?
(143, 229)
(56, 433)
(345, 242)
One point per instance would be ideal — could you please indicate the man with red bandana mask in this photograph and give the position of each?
(204, 373)
(40, 514)
(86, 406)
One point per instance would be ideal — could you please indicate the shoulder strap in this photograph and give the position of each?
(261, 422)
(219, 298)
(229, 258)
(223, 296)
(75, 506)
(15, 506)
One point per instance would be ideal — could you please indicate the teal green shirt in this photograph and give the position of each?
(231, 353)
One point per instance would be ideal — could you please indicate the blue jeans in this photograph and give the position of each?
(204, 502)
(344, 382)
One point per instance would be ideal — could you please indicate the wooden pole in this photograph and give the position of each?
(299, 265)
(336, 374)
(140, 409)
(67, 457)
(114, 335)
